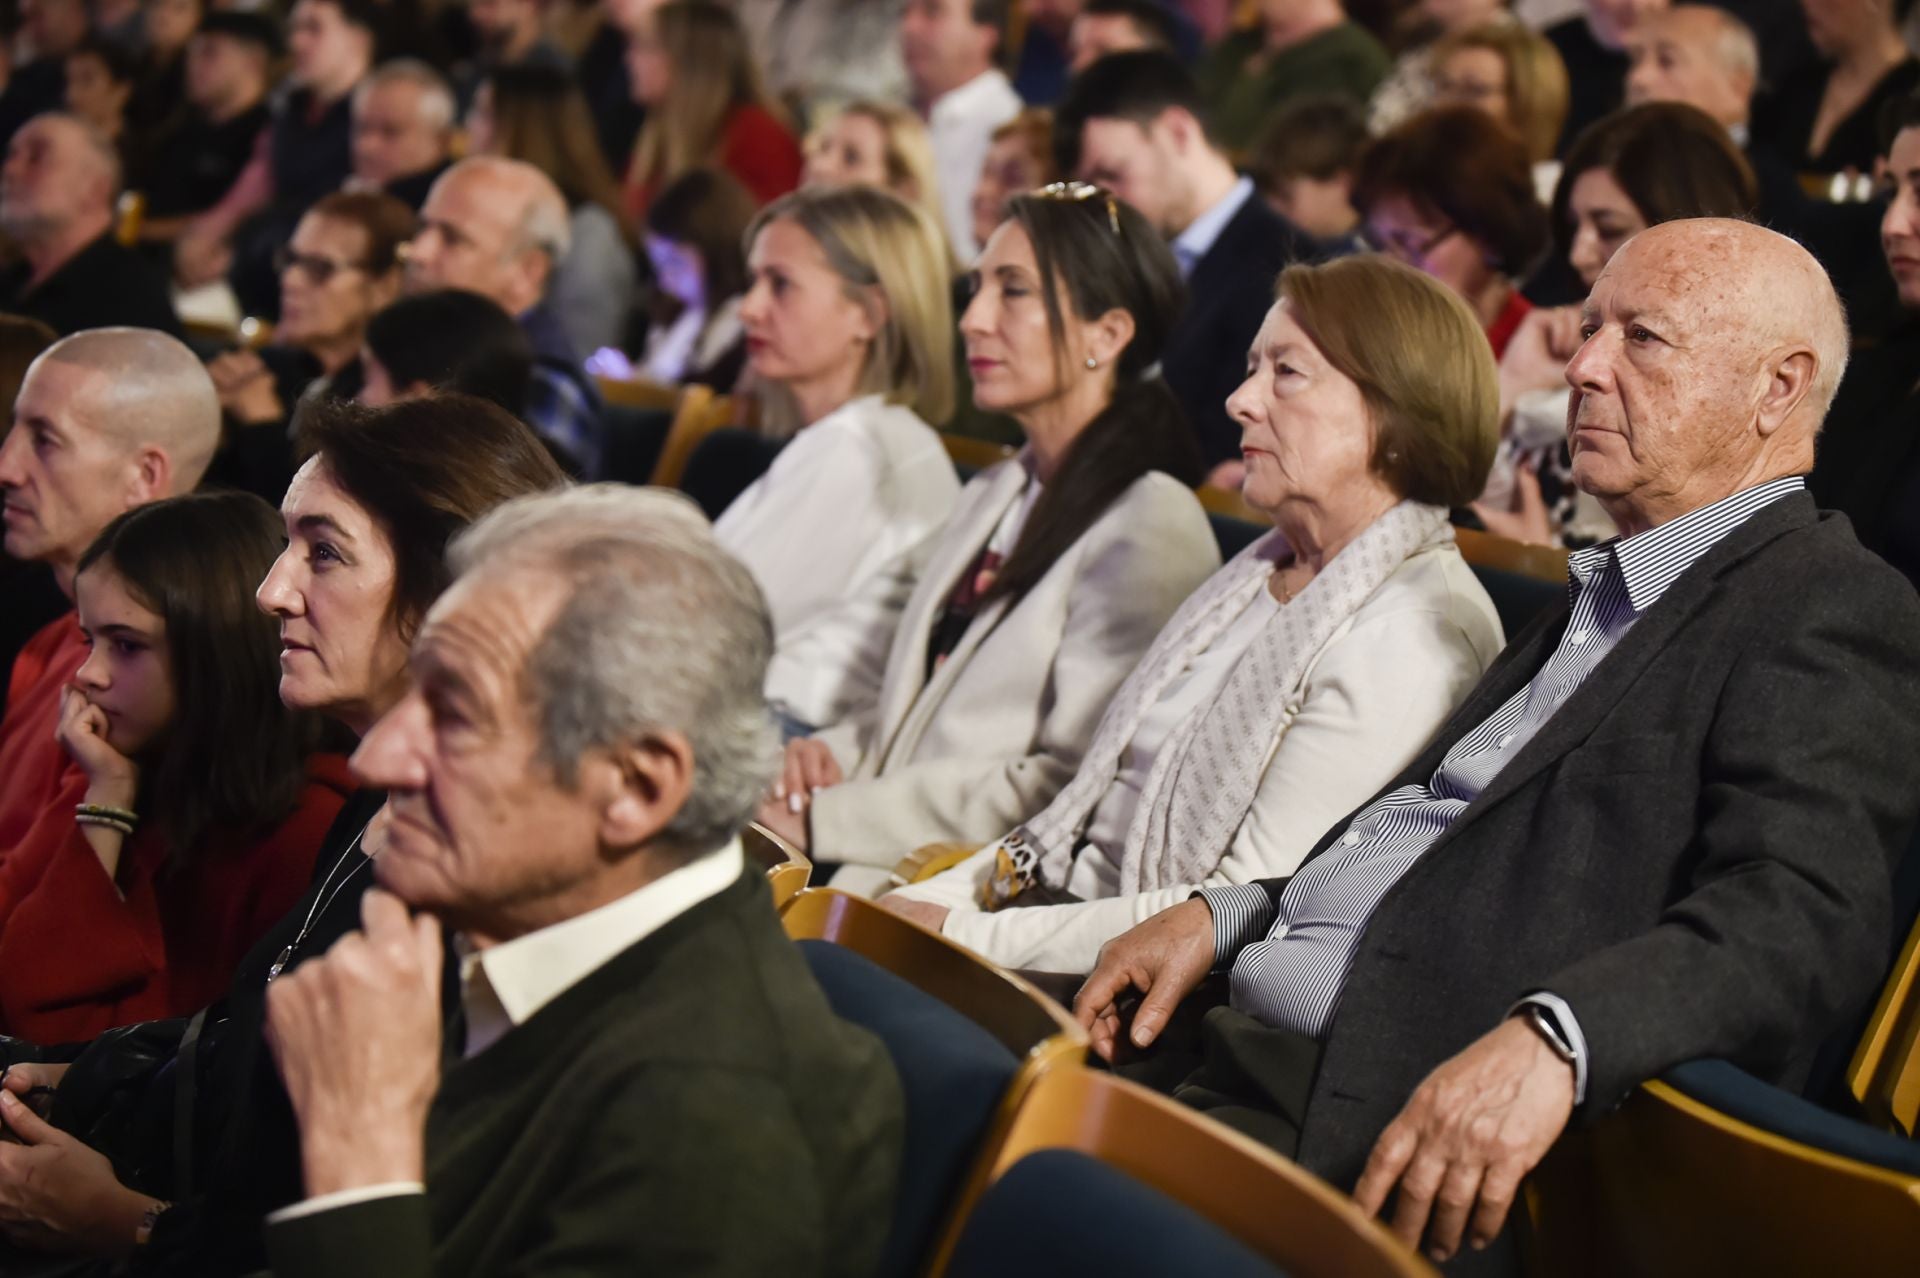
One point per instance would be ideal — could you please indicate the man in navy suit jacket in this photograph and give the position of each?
(1131, 122)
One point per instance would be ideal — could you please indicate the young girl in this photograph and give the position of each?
(194, 802)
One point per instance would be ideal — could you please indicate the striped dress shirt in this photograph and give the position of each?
(1290, 963)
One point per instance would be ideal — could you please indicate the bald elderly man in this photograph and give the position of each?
(57, 193)
(106, 420)
(500, 228)
(1662, 828)
(1696, 54)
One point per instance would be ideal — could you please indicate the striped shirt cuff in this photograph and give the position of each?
(1242, 913)
(1560, 1014)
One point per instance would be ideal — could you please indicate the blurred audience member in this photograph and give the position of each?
(1700, 55)
(1305, 164)
(511, 34)
(402, 130)
(446, 342)
(1020, 159)
(1593, 49)
(49, 30)
(1304, 674)
(1868, 464)
(690, 68)
(881, 145)
(33, 597)
(105, 421)
(821, 54)
(498, 227)
(1513, 75)
(536, 114)
(1634, 169)
(1133, 124)
(847, 321)
(695, 238)
(307, 153)
(1823, 119)
(58, 194)
(100, 81)
(950, 48)
(1299, 48)
(1057, 568)
(1039, 74)
(1119, 26)
(229, 69)
(1451, 192)
(341, 268)
(192, 802)
(167, 27)
(622, 973)
(602, 75)
(1408, 87)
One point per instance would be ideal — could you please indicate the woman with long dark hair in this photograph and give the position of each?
(1058, 566)
(196, 800)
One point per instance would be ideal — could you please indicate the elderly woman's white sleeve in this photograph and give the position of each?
(1377, 695)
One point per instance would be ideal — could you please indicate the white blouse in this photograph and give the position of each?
(836, 533)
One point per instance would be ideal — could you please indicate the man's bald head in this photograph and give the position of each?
(1714, 350)
(106, 420)
(493, 226)
(1699, 55)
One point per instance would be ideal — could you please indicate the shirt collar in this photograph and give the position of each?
(1198, 239)
(513, 980)
(1653, 560)
(984, 90)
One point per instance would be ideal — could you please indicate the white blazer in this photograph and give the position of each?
(836, 532)
(1001, 725)
(1366, 705)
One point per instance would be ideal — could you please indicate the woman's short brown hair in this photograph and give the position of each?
(1460, 163)
(385, 221)
(1421, 361)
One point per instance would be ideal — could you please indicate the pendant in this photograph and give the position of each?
(279, 964)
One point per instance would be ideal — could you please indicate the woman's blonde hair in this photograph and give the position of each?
(1421, 361)
(713, 75)
(1537, 92)
(906, 150)
(893, 260)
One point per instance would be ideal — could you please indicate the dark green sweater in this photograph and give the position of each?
(692, 1107)
(1241, 100)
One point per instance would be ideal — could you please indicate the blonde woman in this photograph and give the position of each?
(688, 65)
(1513, 74)
(847, 317)
(879, 144)
(1304, 674)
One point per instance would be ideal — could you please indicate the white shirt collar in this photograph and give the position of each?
(504, 985)
(986, 93)
(1198, 239)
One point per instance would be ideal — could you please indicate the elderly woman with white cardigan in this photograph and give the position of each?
(1305, 673)
(1055, 572)
(848, 322)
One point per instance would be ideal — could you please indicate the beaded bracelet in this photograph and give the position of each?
(102, 810)
(100, 819)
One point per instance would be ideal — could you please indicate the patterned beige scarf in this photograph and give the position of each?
(1203, 782)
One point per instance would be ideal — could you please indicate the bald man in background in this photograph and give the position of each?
(1699, 55)
(106, 420)
(57, 194)
(1663, 828)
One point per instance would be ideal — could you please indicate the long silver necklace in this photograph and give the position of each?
(322, 901)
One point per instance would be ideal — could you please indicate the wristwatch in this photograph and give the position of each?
(143, 1232)
(1549, 1029)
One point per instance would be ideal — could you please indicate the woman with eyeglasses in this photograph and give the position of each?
(1451, 193)
(341, 267)
(1057, 568)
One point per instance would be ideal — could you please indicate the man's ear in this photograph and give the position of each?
(643, 787)
(1790, 375)
(152, 477)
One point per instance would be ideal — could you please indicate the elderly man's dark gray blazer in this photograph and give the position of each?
(1694, 852)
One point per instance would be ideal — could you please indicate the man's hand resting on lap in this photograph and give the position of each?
(1163, 958)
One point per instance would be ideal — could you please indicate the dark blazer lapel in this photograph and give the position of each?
(1611, 680)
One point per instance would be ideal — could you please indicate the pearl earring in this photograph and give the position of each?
(1092, 362)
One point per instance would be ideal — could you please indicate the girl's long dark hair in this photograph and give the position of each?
(235, 756)
(1103, 256)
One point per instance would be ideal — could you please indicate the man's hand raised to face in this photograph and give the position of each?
(1468, 1135)
(1163, 958)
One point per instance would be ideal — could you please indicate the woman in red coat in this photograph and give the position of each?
(194, 801)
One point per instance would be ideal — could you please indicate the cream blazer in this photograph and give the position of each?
(1001, 725)
(1366, 705)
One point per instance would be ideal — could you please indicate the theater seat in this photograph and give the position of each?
(1518, 599)
(724, 465)
(954, 1075)
(1062, 1214)
(634, 437)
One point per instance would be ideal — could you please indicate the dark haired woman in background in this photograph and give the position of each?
(195, 801)
(1057, 568)
(446, 341)
(695, 240)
